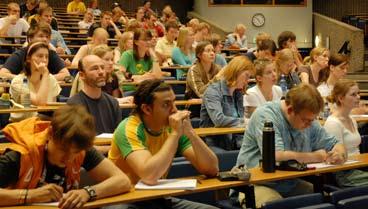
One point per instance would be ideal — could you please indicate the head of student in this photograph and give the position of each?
(107, 55)
(72, 131)
(303, 104)
(345, 94)
(106, 17)
(39, 32)
(139, 15)
(266, 49)
(205, 52)
(92, 71)
(265, 72)
(240, 29)
(172, 29)
(339, 65)
(216, 42)
(320, 56)
(13, 9)
(285, 61)
(286, 39)
(155, 99)
(31, 4)
(141, 42)
(46, 14)
(237, 73)
(261, 37)
(37, 53)
(100, 36)
(88, 16)
(185, 37)
(126, 41)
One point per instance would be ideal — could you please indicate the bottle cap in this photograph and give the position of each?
(268, 124)
(5, 96)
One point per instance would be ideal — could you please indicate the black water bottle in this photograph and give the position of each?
(268, 148)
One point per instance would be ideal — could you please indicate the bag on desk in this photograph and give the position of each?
(291, 165)
(239, 173)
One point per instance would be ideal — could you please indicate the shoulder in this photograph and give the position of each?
(76, 99)
(304, 69)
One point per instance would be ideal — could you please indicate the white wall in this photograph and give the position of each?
(278, 19)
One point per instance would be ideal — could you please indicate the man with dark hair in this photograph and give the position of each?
(28, 8)
(101, 105)
(145, 143)
(45, 159)
(106, 23)
(298, 136)
(266, 50)
(287, 39)
(166, 44)
(15, 63)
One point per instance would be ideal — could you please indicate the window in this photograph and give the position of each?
(258, 2)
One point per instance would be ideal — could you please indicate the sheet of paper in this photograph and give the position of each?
(187, 184)
(359, 116)
(325, 165)
(105, 135)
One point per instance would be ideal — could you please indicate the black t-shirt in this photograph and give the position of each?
(10, 166)
(251, 56)
(15, 63)
(105, 110)
(24, 12)
(110, 29)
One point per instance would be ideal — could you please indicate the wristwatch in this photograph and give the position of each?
(91, 192)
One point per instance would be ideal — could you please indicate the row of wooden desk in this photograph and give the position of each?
(213, 184)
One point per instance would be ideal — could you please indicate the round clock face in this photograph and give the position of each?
(258, 20)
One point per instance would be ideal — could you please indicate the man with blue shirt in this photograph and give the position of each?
(298, 136)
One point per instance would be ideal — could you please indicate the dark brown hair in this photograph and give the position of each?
(32, 48)
(304, 97)
(284, 37)
(72, 124)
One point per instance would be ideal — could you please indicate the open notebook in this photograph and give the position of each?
(186, 184)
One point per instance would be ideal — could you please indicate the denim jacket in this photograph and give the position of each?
(220, 109)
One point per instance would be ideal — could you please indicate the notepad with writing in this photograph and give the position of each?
(325, 165)
(186, 184)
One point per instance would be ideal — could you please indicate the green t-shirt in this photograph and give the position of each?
(133, 66)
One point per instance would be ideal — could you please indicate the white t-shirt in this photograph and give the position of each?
(324, 89)
(351, 140)
(255, 98)
(84, 25)
(16, 89)
(14, 30)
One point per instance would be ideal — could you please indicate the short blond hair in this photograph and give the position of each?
(234, 68)
(316, 52)
(101, 50)
(183, 34)
(304, 97)
(123, 40)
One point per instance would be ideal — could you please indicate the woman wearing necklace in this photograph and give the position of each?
(265, 90)
(314, 72)
(338, 65)
(345, 95)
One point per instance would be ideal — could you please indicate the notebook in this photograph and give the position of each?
(186, 184)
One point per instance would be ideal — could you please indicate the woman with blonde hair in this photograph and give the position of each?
(265, 90)
(100, 36)
(313, 73)
(237, 39)
(125, 43)
(184, 54)
(286, 66)
(222, 104)
(345, 95)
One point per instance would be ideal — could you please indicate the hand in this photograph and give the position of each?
(74, 199)
(334, 157)
(176, 121)
(322, 154)
(67, 62)
(41, 67)
(187, 127)
(60, 50)
(47, 193)
(13, 19)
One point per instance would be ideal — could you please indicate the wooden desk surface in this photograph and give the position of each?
(257, 176)
(200, 131)
(171, 82)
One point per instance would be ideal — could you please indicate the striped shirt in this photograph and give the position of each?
(131, 136)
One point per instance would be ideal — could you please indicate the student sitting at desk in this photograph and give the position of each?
(265, 90)
(43, 86)
(107, 24)
(87, 21)
(286, 66)
(145, 143)
(238, 39)
(141, 62)
(345, 95)
(100, 36)
(15, 63)
(222, 104)
(298, 136)
(184, 53)
(76, 7)
(12, 24)
(217, 45)
(287, 40)
(34, 19)
(202, 72)
(266, 49)
(44, 161)
(165, 44)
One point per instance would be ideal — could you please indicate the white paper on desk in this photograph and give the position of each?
(359, 116)
(104, 136)
(325, 165)
(186, 184)
(52, 204)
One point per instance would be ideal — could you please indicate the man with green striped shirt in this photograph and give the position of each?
(145, 143)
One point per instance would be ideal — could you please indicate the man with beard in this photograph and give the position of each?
(101, 105)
